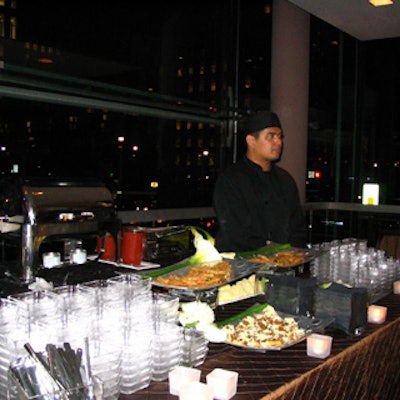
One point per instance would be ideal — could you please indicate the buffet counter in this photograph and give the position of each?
(364, 367)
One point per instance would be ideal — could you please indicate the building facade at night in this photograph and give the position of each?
(152, 112)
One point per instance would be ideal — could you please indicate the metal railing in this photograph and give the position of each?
(325, 220)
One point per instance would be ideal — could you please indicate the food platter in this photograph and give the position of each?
(240, 268)
(286, 258)
(305, 325)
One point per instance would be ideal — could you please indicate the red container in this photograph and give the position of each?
(132, 243)
(108, 243)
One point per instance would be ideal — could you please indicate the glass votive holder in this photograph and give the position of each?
(223, 383)
(196, 391)
(377, 314)
(319, 346)
(51, 259)
(78, 256)
(396, 287)
(181, 376)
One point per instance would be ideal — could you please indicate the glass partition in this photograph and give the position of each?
(147, 98)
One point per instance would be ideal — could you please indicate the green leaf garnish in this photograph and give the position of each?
(252, 310)
(263, 250)
(167, 270)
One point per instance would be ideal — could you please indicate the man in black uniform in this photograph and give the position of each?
(255, 200)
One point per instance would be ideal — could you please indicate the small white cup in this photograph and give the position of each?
(78, 256)
(223, 382)
(319, 346)
(181, 376)
(196, 391)
(51, 259)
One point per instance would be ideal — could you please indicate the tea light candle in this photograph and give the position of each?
(319, 346)
(196, 391)
(377, 314)
(51, 259)
(223, 382)
(180, 376)
(78, 256)
(396, 287)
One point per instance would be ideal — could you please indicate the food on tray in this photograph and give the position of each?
(264, 330)
(246, 287)
(281, 259)
(199, 276)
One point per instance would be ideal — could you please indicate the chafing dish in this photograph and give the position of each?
(40, 212)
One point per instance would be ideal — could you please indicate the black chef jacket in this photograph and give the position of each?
(255, 206)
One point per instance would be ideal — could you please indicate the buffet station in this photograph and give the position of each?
(93, 309)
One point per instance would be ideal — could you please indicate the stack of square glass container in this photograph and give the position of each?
(194, 348)
(129, 335)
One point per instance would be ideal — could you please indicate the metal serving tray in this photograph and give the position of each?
(309, 324)
(240, 269)
(308, 255)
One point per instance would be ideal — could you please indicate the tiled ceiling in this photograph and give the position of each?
(357, 18)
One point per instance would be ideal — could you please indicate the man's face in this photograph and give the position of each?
(268, 145)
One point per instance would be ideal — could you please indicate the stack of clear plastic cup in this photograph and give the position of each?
(131, 284)
(362, 275)
(136, 359)
(103, 295)
(334, 262)
(166, 349)
(165, 308)
(320, 266)
(37, 318)
(8, 347)
(392, 267)
(133, 333)
(194, 348)
(385, 285)
(350, 261)
(135, 293)
(75, 306)
(8, 316)
(40, 306)
(138, 313)
(105, 360)
(373, 284)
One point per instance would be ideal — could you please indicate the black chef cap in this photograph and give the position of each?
(260, 121)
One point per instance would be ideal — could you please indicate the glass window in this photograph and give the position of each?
(196, 71)
(2, 25)
(13, 28)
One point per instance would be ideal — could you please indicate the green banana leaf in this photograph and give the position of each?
(254, 309)
(264, 250)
